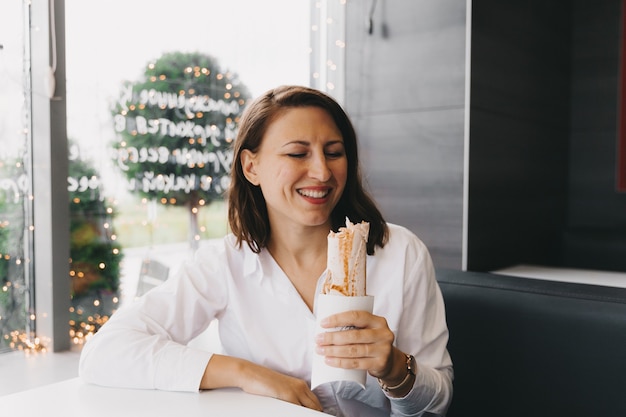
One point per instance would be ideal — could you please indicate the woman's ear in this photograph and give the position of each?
(248, 165)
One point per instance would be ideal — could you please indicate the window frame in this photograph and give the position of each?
(49, 175)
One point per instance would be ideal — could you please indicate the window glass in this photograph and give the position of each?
(16, 307)
(154, 91)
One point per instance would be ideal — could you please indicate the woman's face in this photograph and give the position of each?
(301, 167)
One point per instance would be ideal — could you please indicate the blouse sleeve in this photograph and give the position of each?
(423, 332)
(143, 345)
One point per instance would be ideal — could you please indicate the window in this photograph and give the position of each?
(117, 235)
(16, 300)
(148, 171)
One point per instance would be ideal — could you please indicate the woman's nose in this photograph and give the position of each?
(319, 169)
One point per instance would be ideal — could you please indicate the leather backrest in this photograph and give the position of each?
(528, 347)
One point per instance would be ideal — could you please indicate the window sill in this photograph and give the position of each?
(21, 371)
(580, 276)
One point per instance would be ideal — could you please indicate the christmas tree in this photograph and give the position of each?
(174, 131)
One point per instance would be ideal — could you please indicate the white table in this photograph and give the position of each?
(74, 398)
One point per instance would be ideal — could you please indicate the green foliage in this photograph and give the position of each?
(13, 287)
(95, 256)
(4, 238)
(11, 273)
(175, 126)
(11, 215)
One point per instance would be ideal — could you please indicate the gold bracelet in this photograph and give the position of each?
(410, 371)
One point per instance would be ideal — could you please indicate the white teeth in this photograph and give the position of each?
(313, 193)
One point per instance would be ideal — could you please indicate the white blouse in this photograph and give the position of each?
(262, 318)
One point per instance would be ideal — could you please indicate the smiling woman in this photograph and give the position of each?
(295, 180)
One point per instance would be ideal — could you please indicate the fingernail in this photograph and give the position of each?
(319, 338)
(319, 350)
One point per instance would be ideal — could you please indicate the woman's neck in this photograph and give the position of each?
(302, 257)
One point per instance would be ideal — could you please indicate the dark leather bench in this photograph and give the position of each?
(532, 348)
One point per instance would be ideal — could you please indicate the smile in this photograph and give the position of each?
(314, 193)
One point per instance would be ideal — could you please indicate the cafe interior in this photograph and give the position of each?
(495, 130)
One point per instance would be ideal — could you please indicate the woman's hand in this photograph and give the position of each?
(367, 344)
(264, 381)
(225, 371)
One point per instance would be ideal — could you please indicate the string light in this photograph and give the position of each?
(327, 66)
(22, 341)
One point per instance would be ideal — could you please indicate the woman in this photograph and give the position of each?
(295, 177)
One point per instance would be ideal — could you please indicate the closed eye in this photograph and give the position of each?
(330, 155)
(335, 155)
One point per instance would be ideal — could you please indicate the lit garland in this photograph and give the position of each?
(83, 324)
(21, 341)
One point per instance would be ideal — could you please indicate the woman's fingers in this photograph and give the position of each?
(311, 401)
(298, 392)
(366, 342)
(355, 351)
(359, 357)
(355, 328)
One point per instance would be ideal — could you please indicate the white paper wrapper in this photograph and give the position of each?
(327, 305)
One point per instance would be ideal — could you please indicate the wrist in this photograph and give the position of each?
(401, 385)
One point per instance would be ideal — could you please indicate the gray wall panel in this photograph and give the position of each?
(405, 93)
(414, 166)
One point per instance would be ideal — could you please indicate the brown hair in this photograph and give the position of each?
(247, 210)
